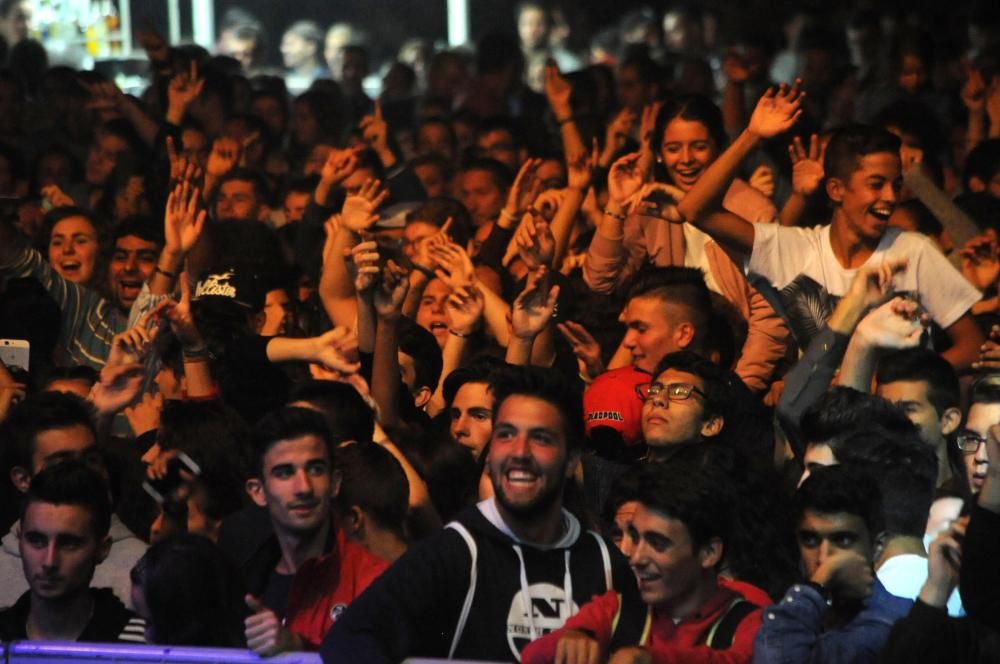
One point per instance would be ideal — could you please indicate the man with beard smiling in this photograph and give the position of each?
(812, 268)
(509, 569)
(90, 320)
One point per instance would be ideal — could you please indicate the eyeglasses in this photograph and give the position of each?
(673, 391)
(968, 442)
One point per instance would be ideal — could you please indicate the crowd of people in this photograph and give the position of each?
(683, 347)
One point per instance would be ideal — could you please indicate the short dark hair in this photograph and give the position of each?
(842, 409)
(40, 412)
(372, 479)
(502, 176)
(346, 413)
(437, 210)
(285, 424)
(718, 390)
(477, 371)
(849, 144)
(921, 364)
(546, 384)
(840, 489)
(72, 482)
(255, 178)
(985, 389)
(693, 108)
(905, 468)
(81, 372)
(421, 345)
(682, 286)
(142, 227)
(192, 591)
(691, 493)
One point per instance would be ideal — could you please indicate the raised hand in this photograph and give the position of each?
(184, 88)
(807, 165)
(182, 322)
(464, 309)
(132, 345)
(762, 179)
(336, 350)
(989, 352)
(365, 257)
(455, 267)
(184, 218)
(558, 91)
(944, 562)
(391, 293)
(57, 197)
(873, 283)
(375, 130)
(182, 168)
(981, 260)
(895, 324)
(847, 574)
(424, 253)
(646, 149)
(585, 347)
(534, 241)
(145, 414)
(777, 111)
(974, 92)
(535, 306)
(580, 170)
(618, 131)
(625, 179)
(339, 165)
(224, 157)
(524, 190)
(993, 104)
(735, 68)
(117, 387)
(659, 199)
(105, 97)
(359, 212)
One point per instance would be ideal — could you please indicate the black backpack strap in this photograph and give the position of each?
(720, 635)
(630, 626)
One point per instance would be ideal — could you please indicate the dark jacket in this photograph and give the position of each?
(461, 593)
(111, 622)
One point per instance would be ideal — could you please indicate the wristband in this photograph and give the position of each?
(458, 334)
(566, 120)
(615, 215)
(195, 353)
(511, 216)
(165, 273)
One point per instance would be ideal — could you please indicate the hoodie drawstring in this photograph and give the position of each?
(526, 595)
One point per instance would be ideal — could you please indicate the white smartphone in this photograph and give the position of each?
(14, 353)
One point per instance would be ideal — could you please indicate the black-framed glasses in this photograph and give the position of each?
(968, 442)
(673, 391)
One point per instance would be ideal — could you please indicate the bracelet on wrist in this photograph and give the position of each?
(461, 335)
(199, 352)
(166, 273)
(512, 216)
(620, 216)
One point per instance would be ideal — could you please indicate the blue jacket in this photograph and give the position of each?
(792, 631)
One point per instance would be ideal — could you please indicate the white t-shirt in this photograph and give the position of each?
(904, 575)
(801, 266)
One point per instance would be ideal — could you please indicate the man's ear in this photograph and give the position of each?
(713, 426)
(21, 478)
(103, 548)
(684, 334)
(354, 522)
(572, 462)
(710, 553)
(950, 420)
(255, 489)
(336, 479)
(422, 396)
(835, 189)
(265, 212)
(258, 321)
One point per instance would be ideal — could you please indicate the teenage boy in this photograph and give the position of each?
(687, 613)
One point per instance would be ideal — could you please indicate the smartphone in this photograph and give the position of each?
(14, 353)
(162, 489)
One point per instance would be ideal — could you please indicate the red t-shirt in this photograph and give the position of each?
(324, 586)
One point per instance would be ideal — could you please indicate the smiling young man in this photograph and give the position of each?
(685, 613)
(811, 268)
(89, 319)
(508, 570)
(301, 579)
(64, 535)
